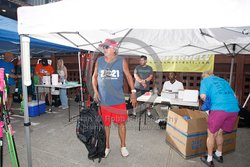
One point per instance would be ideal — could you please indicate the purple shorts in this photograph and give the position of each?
(219, 119)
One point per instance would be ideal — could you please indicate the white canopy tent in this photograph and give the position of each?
(74, 28)
(159, 28)
(166, 33)
(169, 26)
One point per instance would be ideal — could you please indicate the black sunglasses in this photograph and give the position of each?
(105, 47)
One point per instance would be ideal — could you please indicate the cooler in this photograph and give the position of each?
(34, 109)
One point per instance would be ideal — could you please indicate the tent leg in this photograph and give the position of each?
(25, 64)
(80, 77)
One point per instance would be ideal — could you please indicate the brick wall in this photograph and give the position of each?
(240, 81)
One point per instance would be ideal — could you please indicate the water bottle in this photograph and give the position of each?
(22, 107)
(62, 80)
(155, 91)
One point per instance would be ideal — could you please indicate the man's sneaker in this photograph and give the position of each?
(150, 116)
(204, 160)
(124, 152)
(218, 158)
(11, 112)
(159, 120)
(133, 115)
(107, 151)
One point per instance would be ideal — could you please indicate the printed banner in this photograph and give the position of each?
(196, 63)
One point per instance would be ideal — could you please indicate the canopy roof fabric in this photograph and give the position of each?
(163, 42)
(10, 41)
(164, 31)
(75, 15)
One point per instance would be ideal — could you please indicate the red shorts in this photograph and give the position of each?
(218, 119)
(117, 113)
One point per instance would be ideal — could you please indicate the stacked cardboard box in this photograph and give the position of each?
(187, 133)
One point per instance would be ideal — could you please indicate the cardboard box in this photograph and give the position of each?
(188, 136)
(229, 141)
(35, 109)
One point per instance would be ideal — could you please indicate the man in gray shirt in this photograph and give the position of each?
(143, 74)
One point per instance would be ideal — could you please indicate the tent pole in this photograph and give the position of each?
(244, 105)
(231, 71)
(26, 81)
(119, 42)
(232, 65)
(80, 77)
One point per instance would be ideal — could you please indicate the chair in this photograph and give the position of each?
(141, 112)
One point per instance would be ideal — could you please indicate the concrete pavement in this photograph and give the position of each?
(54, 144)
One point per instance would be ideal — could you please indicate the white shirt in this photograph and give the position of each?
(61, 73)
(173, 87)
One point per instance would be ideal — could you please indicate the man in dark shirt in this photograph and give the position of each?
(143, 74)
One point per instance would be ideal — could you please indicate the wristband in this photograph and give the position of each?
(133, 91)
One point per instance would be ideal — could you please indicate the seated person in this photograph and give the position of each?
(172, 85)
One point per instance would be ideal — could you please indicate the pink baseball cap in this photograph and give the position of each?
(109, 42)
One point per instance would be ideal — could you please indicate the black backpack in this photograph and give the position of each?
(17, 97)
(90, 130)
(162, 125)
(244, 120)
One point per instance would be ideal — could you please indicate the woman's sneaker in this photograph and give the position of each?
(218, 158)
(107, 151)
(133, 115)
(204, 160)
(65, 107)
(124, 152)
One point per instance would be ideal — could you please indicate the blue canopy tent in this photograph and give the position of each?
(10, 41)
